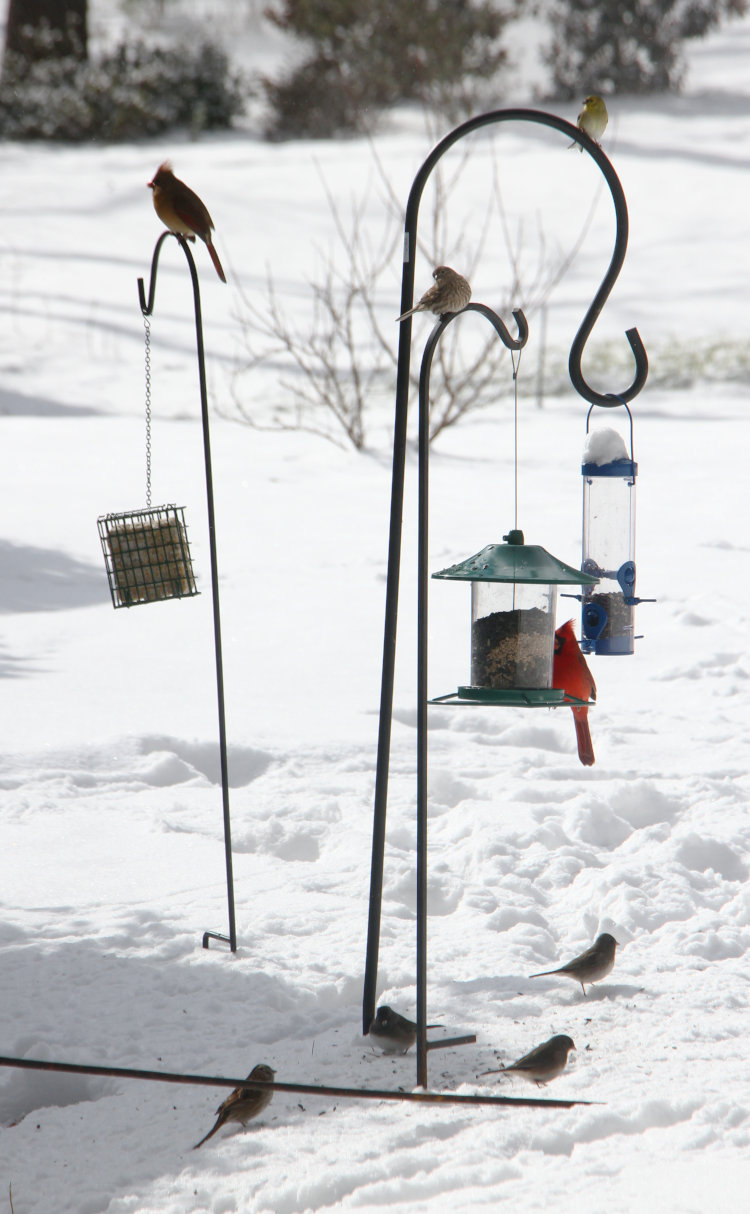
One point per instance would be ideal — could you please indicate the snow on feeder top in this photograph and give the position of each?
(513, 603)
(609, 472)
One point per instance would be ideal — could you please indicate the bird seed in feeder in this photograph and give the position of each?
(512, 649)
(619, 614)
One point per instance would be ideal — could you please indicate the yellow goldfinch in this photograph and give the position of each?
(592, 119)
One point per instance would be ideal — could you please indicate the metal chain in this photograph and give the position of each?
(147, 363)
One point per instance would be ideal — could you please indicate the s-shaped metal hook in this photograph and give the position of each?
(568, 129)
(571, 132)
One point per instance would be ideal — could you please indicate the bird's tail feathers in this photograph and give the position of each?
(583, 737)
(206, 1137)
(215, 260)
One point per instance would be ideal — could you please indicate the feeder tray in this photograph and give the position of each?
(147, 555)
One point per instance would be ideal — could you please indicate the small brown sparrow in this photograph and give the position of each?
(182, 211)
(244, 1103)
(543, 1063)
(590, 966)
(393, 1032)
(450, 293)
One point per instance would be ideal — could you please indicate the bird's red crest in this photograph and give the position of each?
(164, 169)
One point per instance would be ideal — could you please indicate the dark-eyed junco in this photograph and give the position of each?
(450, 293)
(244, 1103)
(591, 966)
(393, 1032)
(543, 1063)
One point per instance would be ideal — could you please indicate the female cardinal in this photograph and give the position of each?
(570, 672)
(182, 211)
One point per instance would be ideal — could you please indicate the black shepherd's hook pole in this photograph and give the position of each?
(423, 577)
(147, 307)
(571, 132)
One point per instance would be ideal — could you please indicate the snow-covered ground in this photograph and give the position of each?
(112, 865)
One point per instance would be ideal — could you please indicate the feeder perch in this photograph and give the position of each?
(609, 474)
(147, 555)
(513, 607)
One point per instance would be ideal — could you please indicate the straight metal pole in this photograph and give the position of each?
(217, 616)
(382, 768)
(422, 663)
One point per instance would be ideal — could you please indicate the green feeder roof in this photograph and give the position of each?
(515, 561)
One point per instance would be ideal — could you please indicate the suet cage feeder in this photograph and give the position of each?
(147, 555)
(513, 607)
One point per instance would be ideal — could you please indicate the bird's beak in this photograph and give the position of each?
(150, 185)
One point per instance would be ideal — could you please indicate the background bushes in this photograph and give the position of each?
(134, 91)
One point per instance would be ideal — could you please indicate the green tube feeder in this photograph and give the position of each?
(513, 611)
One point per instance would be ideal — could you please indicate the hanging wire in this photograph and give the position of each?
(147, 366)
(516, 364)
(515, 357)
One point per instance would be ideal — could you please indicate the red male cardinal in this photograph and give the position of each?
(570, 672)
(182, 211)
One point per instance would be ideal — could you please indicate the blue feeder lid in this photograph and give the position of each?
(515, 561)
(626, 468)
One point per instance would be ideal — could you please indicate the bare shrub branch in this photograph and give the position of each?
(332, 370)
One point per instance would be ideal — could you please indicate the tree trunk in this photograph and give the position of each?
(47, 29)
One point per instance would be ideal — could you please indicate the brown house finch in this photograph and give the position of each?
(571, 673)
(450, 293)
(590, 966)
(182, 211)
(393, 1032)
(244, 1103)
(543, 1063)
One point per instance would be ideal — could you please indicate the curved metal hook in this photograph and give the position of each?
(522, 325)
(607, 400)
(618, 256)
(512, 343)
(147, 306)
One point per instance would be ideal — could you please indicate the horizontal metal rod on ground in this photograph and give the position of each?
(307, 1089)
(444, 1043)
